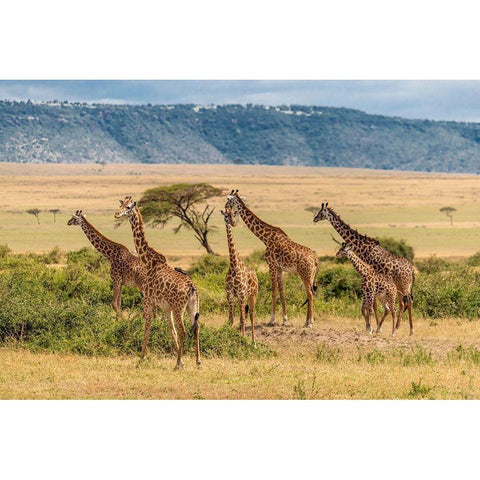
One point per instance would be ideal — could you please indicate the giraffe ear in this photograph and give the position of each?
(229, 197)
(243, 198)
(222, 212)
(121, 201)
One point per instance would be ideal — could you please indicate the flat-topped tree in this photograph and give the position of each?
(35, 212)
(448, 211)
(54, 211)
(187, 202)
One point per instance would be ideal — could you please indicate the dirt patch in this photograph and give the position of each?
(353, 338)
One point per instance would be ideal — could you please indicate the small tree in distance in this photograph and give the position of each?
(448, 211)
(159, 205)
(35, 212)
(54, 211)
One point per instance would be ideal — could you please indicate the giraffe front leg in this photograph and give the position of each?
(117, 297)
(367, 308)
(241, 304)
(281, 291)
(274, 281)
(147, 316)
(252, 301)
(230, 300)
(401, 308)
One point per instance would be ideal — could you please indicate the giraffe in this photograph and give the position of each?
(126, 268)
(374, 285)
(165, 288)
(241, 281)
(281, 254)
(370, 251)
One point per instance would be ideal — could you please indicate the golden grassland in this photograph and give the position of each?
(399, 204)
(335, 360)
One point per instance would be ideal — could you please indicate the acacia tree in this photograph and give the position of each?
(159, 205)
(54, 211)
(35, 212)
(448, 211)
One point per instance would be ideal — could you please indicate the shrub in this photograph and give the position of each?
(474, 260)
(433, 264)
(210, 264)
(397, 247)
(4, 250)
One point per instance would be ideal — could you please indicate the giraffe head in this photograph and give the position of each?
(322, 213)
(127, 207)
(344, 249)
(234, 200)
(77, 218)
(229, 215)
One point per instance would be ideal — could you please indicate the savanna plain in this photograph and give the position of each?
(56, 289)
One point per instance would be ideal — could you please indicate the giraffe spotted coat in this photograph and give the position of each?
(126, 268)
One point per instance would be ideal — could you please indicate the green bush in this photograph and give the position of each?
(397, 247)
(433, 264)
(474, 260)
(4, 250)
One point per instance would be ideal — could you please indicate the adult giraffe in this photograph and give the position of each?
(281, 254)
(165, 288)
(125, 267)
(370, 251)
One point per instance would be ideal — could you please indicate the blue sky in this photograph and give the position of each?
(433, 99)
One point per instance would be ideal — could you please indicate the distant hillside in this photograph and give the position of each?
(286, 135)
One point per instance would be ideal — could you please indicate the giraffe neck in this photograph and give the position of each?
(363, 268)
(259, 228)
(349, 235)
(104, 245)
(147, 254)
(234, 258)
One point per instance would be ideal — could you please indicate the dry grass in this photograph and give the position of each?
(404, 205)
(335, 360)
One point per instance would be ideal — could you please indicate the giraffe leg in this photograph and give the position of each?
(281, 291)
(273, 278)
(252, 301)
(379, 324)
(410, 319)
(392, 309)
(173, 330)
(230, 300)
(147, 316)
(367, 308)
(308, 287)
(178, 317)
(117, 297)
(241, 304)
(375, 311)
(401, 307)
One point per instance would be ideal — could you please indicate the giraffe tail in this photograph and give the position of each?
(194, 298)
(247, 309)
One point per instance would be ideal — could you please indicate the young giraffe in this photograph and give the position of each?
(374, 285)
(241, 281)
(281, 254)
(165, 287)
(126, 268)
(370, 251)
